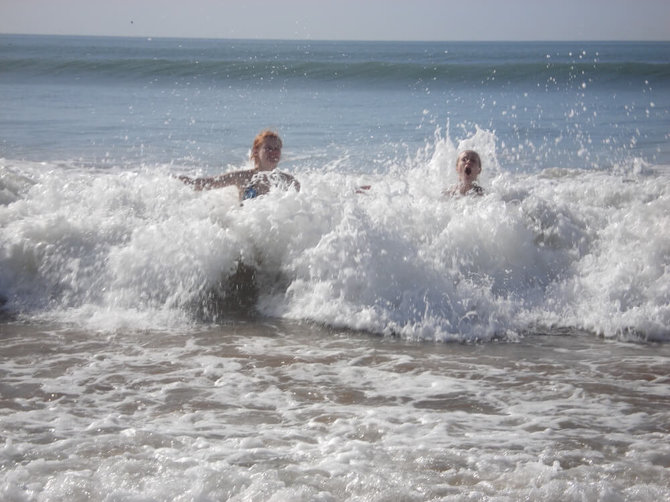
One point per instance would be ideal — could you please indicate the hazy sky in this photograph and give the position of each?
(345, 19)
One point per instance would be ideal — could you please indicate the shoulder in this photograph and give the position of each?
(282, 175)
(458, 191)
(451, 191)
(286, 179)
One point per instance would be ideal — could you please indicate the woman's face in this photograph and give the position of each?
(269, 154)
(468, 166)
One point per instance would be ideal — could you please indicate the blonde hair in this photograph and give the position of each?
(258, 142)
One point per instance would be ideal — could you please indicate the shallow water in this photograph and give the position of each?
(276, 410)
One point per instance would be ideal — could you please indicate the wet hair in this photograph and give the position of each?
(258, 141)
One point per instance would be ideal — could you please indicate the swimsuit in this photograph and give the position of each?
(266, 181)
(249, 193)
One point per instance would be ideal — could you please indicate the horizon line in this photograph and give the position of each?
(172, 37)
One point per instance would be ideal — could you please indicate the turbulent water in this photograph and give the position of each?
(165, 344)
(284, 411)
(560, 247)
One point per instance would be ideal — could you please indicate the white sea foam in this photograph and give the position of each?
(292, 412)
(571, 248)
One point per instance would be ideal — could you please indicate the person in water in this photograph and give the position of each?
(468, 167)
(250, 183)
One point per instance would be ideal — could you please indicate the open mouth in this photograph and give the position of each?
(468, 171)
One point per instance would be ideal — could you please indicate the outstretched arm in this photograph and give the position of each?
(238, 178)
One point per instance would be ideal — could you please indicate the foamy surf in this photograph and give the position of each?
(558, 248)
(278, 410)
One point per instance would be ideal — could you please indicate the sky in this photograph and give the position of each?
(420, 20)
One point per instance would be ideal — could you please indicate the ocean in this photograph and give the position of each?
(160, 343)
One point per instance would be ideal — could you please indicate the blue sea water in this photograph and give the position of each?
(576, 105)
(402, 345)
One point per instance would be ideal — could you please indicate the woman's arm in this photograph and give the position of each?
(237, 178)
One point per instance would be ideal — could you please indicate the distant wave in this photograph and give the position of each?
(364, 73)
